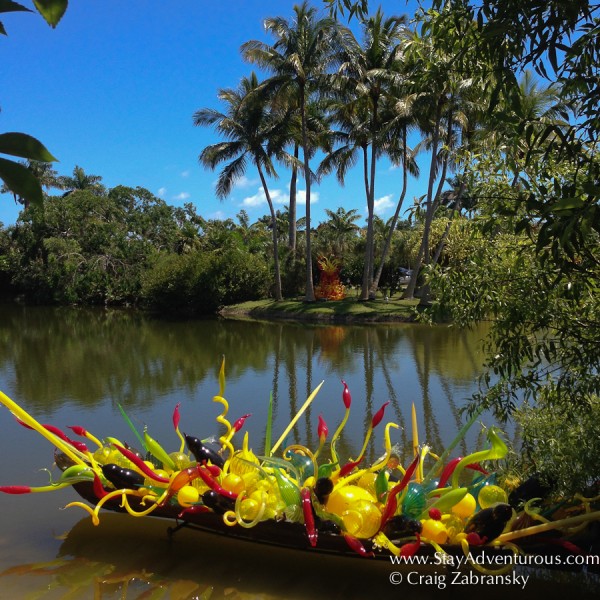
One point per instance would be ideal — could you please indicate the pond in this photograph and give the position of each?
(69, 366)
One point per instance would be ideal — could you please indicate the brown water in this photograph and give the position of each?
(73, 367)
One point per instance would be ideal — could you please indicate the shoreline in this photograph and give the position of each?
(349, 312)
(339, 312)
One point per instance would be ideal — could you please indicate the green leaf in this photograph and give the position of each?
(51, 10)
(552, 57)
(21, 181)
(25, 146)
(10, 6)
(568, 204)
(589, 187)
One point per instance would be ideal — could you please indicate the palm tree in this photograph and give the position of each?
(302, 52)
(46, 175)
(81, 181)
(364, 81)
(400, 122)
(462, 120)
(538, 102)
(243, 220)
(447, 103)
(281, 219)
(288, 105)
(318, 125)
(251, 129)
(341, 228)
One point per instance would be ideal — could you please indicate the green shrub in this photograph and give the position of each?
(201, 282)
(235, 276)
(563, 447)
(293, 274)
(168, 284)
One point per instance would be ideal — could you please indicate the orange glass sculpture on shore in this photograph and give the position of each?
(330, 287)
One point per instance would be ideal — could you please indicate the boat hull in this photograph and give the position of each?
(293, 536)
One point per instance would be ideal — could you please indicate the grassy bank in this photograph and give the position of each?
(341, 311)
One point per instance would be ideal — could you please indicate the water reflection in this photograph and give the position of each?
(84, 356)
(118, 352)
(72, 366)
(50, 358)
(128, 559)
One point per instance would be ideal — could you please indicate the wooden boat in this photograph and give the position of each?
(548, 549)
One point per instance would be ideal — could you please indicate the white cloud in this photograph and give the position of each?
(256, 200)
(218, 215)
(185, 173)
(161, 191)
(383, 204)
(244, 182)
(301, 197)
(277, 197)
(182, 196)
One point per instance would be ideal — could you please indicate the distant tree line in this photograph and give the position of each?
(124, 246)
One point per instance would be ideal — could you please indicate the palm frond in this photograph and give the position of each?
(229, 175)
(341, 160)
(278, 26)
(294, 62)
(216, 154)
(260, 54)
(289, 160)
(207, 116)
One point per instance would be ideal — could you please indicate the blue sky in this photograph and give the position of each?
(113, 89)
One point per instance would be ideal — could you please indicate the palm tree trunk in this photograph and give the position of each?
(424, 291)
(310, 289)
(372, 216)
(390, 235)
(366, 171)
(438, 194)
(278, 295)
(368, 266)
(409, 293)
(424, 248)
(292, 209)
